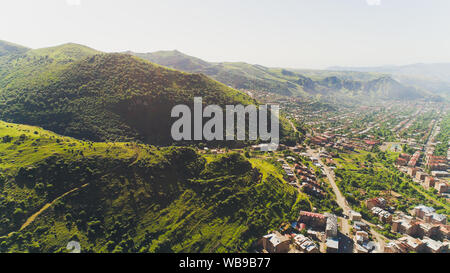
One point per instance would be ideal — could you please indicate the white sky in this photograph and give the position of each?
(282, 33)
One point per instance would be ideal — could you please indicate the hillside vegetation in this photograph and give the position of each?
(365, 175)
(31, 66)
(443, 137)
(77, 91)
(126, 197)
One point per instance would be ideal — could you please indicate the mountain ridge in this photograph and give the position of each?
(284, 81)
(7, 48)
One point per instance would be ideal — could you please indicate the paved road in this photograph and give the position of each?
(378, 237)
(432, 135)
(340, 199)
(342, 202)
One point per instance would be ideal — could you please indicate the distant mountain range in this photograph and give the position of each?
(432, 77)
(342, 86)
(437, 71)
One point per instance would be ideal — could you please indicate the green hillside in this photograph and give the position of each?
(127, 197)
(388, 87)
(72, 91)
(174, 59)
(16, 70)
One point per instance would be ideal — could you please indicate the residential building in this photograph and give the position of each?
(412, 172)
(429, 182)
(442, 187)
(332, 245)
(331, 228)
(275, 243)
(305, 244)
(383, 216)
(412, 244)
(440, 174)
(429, 215)
(376, 202)
(358, 226)
(354, 216)
(361, 237)
(414, 159)
(421, 176)
(434, 246)
(313, 220)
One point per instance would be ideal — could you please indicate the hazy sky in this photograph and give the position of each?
(288, 33)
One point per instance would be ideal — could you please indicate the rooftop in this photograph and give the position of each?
(333, 243)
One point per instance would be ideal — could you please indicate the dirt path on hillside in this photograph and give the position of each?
(292, 125)
(45, 207)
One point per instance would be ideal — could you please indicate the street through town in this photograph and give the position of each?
(342, 202)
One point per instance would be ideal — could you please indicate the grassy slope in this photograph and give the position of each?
(39, 65)
(136, 197)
